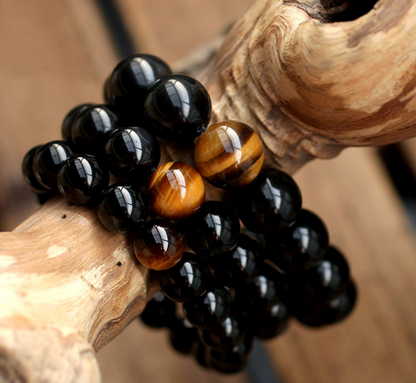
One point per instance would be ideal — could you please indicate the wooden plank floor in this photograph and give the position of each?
(56, 54)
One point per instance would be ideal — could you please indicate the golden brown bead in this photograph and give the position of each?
(176, 190)
(229, 154)
(159, 245)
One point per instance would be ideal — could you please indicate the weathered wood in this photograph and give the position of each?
(245, 97)
(316, 87)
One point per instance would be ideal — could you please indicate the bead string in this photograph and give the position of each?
(233, 286)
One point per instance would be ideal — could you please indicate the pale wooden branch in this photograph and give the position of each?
(308, 87)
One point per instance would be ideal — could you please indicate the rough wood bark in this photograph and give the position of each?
(308, 87)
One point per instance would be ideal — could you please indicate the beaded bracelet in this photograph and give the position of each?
(234, 285)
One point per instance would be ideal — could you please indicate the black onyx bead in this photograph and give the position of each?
(211, 307)
(233, 359)
(214, 230)
(123, 208)
(29, 173)
(82, 181)
(187, 279)
(183, 336)
(240, 265)
(132, 153)
(271, 202)
(323, 282)
(92, 127)
(202, 356)
(178, 107)
(226, 334)
(265, 290)
(334, 311)
(271, 321)
(69, 122)
(48, 161)
(132, 78)
(159, 312)
(301, 245)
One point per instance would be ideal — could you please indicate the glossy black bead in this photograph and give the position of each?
(240, 265)
(226, 334)
(183, 336)
(29, 173)
(48, 161)
(202, 356)
(271, 320)
(159, 312)
(132, 154)
(92, 127)
(323, 282)
(178, 107)
(301, 245)
(68, 122)
(133, 77)
(214, 230)
(265, 290)
(271, 202)
(209, 308)
(186, 280)
(233, 359)
(334, 311)
(82, 181)
(123, 208)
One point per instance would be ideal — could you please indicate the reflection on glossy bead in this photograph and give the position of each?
(159, 312)
(334, 311)
(187, 279)
(214, 230)
(133, 77)
(211, 307)
(178, 107)
(69, 122)
(159, 244)
(132, 153)
(28, 172)
(271, 202)
(176, 190)
(323, 282)
(48, 161)
(240, 265)
(183, 336)
(271, 321)
(229, 154)
(233, 359)
(123, 209)
(301, 245)
(265, 289)
(92, 127)
(226, 334)
(82, 181)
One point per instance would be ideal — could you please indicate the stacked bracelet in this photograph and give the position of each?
(233, 285)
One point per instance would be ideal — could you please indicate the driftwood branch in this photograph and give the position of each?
(309, 87)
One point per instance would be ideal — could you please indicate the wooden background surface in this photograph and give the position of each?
(57, 54)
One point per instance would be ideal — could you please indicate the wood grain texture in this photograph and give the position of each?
(383, 237)
(290, 74)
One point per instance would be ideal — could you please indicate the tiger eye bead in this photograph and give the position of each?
(176, 190)
(159, 245)
(229, 154)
